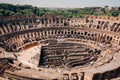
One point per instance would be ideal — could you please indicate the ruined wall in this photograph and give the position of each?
(17, 32)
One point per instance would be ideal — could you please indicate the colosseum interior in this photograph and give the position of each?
(56, 48)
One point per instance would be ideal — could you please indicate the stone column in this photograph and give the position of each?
(1, 30)
(5, 29)
(9, 27)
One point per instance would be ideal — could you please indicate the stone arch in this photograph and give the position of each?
(113, 25)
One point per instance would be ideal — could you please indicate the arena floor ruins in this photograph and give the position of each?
(56, 48)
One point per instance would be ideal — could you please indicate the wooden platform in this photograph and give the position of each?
(30, 46)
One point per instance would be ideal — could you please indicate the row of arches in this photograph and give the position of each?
(59, 33)
(104, 25)
(14, 26)
(57, 21)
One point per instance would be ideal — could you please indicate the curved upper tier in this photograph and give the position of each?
(101, 33)
(103, 23)
(16, 33)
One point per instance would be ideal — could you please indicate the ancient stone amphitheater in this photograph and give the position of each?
(56, 48)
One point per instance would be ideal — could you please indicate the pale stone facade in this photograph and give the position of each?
(101, 33)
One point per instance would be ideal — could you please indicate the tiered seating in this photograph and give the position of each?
(100, 32)
(19, 40)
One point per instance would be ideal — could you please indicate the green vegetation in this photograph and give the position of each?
(13, 10)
